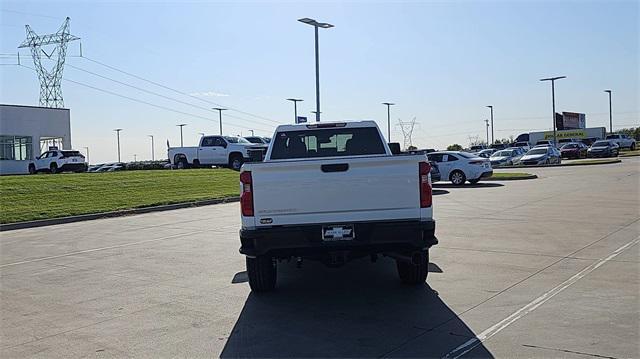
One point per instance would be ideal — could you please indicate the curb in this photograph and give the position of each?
(605, 162)
(511, 178)
(124, 212)
(631, 155)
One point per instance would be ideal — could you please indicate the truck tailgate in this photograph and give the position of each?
(336, 190)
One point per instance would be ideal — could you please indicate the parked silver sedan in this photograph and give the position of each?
(541, 156)
(505, 158)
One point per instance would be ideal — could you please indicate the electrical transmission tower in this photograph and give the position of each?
(50, 90)
(407, 131)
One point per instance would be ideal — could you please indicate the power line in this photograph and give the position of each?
(160, 95)
(178, 91)
(145, 102)
(29, 14)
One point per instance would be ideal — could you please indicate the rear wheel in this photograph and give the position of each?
(53, 168)
(182, 163)
(262, 273)
(633, 146)
(457, 177)
(32, 169)
(414, 274)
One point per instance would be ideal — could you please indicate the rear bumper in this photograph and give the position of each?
(370, 237)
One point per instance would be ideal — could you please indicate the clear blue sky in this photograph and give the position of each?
(441, 62)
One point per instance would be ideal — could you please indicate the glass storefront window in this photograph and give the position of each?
(17, 148)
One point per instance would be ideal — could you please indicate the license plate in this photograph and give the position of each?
(338, 232)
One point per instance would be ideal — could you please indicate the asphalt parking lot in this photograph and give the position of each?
(538, 268)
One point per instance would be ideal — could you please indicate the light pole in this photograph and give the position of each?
(201, 134)
(553, 104)
(610, 115)
(491, 108)
(152, 151)
(317, 25)
(295, 108)
(87, 149)
(487, 123)
(388, 104)
(135, 158)
(252, 133)
(118, 135)
(219, 109)
(181, 126)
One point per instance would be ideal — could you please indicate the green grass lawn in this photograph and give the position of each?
(25, 198)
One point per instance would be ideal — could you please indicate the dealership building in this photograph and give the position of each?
(27, 131)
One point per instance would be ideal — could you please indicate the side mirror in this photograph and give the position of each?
(395, 148)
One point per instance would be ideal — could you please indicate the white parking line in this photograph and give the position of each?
(100, 249)
(495, 329)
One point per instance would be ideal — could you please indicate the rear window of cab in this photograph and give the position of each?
(327, 142)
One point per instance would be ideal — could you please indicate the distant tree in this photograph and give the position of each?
(631, 132)
(454, 147)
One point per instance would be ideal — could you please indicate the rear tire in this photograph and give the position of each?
(182, 164)
(32, 169)
(262, 273)
(457, 177)
(632, 147)
(53, 168)
(413, 274)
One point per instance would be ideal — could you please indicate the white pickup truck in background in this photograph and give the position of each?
(334, 192)
(623, 141)
(213, 151)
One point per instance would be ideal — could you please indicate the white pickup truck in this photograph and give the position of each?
(213, 151)
(335, 192)
(623, 141)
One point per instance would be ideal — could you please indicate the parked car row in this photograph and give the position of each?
(107, 167)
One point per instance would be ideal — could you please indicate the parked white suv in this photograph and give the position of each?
(55, 161)
(623, 141)
(459, 167)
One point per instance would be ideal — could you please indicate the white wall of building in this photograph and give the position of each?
(34, 122)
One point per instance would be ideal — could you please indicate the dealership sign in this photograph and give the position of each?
(566, 134)
(573, 120)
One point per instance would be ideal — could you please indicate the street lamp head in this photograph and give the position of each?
(118, 129)
(553, 78)
(182, 124)
(315, 23)
(490, 106)
(388, 103)
(608, 91)
(219, 108)
(294, 99)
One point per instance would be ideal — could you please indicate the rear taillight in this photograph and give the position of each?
(424, 181)
(246, 197)
(476, 162)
